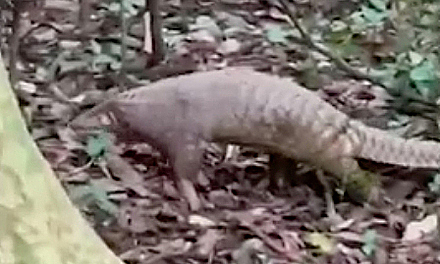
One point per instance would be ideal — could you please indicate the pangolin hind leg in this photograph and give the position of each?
(281, 171)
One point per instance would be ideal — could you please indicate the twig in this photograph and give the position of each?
(156, 31)
(123, 46)
(14, 42)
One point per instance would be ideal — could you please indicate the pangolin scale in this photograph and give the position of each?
(242, 106)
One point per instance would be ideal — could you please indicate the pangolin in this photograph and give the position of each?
(242, 106)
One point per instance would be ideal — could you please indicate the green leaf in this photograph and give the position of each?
(137, 3)
(70, 65)
(103, 59)
(428, 20)
(324, 244)
(115, 65)
(428, 89)
(370, 238)
(380, 5)
(98, 145)
(373, 16)
(434, 185)
(424, 72)
(415, 58)
(129, 9)
(358, 22)
(338, 25)
(95, 47)
(92, 196)
(114, 7)
(276, 34)
(111, 48)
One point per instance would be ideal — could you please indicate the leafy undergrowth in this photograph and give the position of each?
(69, 62)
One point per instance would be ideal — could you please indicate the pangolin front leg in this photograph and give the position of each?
(186, 156)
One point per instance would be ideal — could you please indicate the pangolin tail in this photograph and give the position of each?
(383, 147)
